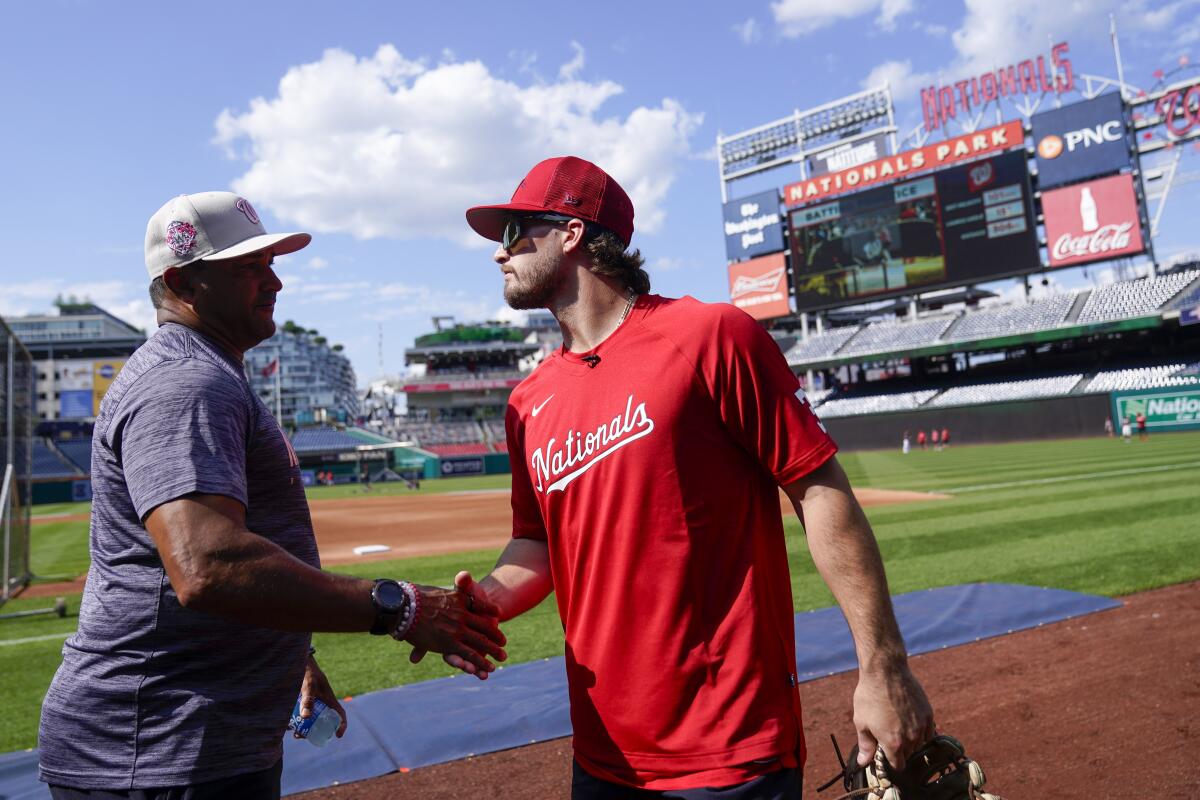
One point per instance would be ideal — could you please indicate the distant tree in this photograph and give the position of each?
(320, 340)
(337, 348)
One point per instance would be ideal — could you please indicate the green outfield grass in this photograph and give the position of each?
(1097, 516)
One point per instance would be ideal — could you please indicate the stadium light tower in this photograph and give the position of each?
(795, 138)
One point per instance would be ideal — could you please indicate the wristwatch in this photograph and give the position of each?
(390, 603)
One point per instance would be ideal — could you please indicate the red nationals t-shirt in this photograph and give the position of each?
(653, 478)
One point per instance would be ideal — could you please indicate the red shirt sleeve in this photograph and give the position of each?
(756, 395)
(527, 514)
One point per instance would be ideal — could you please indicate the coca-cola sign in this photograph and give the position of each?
(1099, 244)
(1092, 221)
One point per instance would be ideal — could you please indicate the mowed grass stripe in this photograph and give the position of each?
(927, 470)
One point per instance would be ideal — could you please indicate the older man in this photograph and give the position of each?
(205, 582)
(647, 455)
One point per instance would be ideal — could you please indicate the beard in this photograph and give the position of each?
(536, 287)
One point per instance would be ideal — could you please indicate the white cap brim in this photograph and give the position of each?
(278, 243)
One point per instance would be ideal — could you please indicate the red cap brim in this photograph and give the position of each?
(488, 221)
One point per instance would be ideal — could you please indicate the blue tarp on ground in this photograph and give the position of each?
(451, 718)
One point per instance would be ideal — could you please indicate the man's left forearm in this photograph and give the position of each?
(844, 551)
(890, 707)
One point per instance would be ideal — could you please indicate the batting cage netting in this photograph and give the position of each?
(17, 380)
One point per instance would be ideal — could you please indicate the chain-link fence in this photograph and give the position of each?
(18, 378)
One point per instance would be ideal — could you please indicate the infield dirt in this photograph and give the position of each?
(431, 524)
(425, 524)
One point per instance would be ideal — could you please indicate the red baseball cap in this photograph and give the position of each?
(566, 185)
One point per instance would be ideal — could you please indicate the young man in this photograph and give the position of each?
(647, 455)
(205, 583)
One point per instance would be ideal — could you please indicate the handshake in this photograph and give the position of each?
(461, 623)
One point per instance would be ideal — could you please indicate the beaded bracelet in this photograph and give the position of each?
(412, 609)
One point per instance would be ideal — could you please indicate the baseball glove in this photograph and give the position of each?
(940, 770)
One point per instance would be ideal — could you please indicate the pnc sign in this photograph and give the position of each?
(1081, 141)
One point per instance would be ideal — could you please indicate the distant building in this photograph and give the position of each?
(313, 381)
(77, 352)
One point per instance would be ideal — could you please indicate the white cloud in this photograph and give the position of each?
(126, 301)
(985, 38)
(570, 70)
(900, 76)
(802, 17)
(749, 31)
(316, 263)
(666, 264)
(386, 146)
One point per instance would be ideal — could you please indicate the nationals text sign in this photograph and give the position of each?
(1093, 221)
(760, 286)
(901, 165)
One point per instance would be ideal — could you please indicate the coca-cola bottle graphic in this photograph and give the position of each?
(1087, 210)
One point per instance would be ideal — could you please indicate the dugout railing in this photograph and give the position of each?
(18, 379)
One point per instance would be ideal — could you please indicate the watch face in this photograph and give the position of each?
(389, 595)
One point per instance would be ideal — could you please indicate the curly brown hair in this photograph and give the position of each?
(611, 259)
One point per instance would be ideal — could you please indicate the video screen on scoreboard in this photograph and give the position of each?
(957, 226)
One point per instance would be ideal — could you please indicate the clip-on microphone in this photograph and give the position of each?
(592, 361)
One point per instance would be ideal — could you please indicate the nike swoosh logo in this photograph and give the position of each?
(538, 408)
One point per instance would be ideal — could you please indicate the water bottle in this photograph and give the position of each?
(319, 728)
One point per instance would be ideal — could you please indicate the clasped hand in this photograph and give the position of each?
(460, 623)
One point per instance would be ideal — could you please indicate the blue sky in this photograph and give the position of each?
(373, 125)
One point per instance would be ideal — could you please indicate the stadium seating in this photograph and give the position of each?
(49, 464)
(1002, 321)
(1007, 390)
(434, 433)
(820, 346)
(1116, 380)
(323, 440)
(468, 449)
(78, 452)
(893, 337)
(1134, 298)
(874, 404)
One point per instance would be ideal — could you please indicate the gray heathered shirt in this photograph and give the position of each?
(149, 693)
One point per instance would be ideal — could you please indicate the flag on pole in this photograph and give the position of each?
(269, 369)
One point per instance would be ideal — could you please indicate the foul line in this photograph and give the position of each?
(1065, 478)
(31, 639)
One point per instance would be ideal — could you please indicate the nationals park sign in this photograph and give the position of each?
(1169, 409)
(933, 156)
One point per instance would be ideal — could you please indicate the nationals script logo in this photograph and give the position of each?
(559, 463)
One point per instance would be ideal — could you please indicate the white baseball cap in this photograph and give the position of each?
(210, 226)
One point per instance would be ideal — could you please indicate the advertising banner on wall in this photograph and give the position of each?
(1093, 221)
(75, 404)
(851, 154)
(1167, 409)
(898, 167)
(73, 375)
(753, 226)
(961, 225)
(1081, 141)
(103, 375)
(759, 286)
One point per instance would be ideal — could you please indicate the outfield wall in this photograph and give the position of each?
(1055, 418)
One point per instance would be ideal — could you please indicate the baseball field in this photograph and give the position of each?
(1100, 516)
